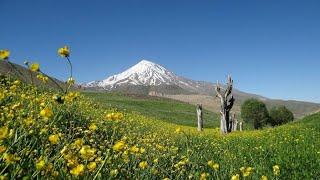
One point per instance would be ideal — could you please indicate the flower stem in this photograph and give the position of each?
(70, 66)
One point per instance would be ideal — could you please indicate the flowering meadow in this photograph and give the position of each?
(61, 134)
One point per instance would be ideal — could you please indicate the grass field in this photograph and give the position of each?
(160, 108)
(85, 137)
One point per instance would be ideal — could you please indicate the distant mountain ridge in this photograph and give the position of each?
(149, 74)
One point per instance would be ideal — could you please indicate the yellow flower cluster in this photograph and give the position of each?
(178, 130)
(246, 171)
(120, 145)
(143, 165)
(114, 116)
(204, 176)
(34, 67)
(4, 54)
(264, 177)
(213, 165)
(78, 170)
(71, 96)
(71, 81)
(4, 132)
(235, 177)
(54, 139)
(181, 164)
(46, 113)
(276, 170)
(87, 152)
(40, 164)
(42, 78)
(64, 51)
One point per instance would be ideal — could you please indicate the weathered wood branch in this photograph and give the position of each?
(226, 103)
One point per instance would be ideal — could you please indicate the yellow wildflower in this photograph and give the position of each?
(46, 113)
(71, 81)
(142, 150)
(213, 165)
(64, 51)
(78, 170)
(156, 161)
(42, 78)
(29, 121)
(2, 149)
(2, 95)
(216, 166)
(114, 116)
(264, 178)
(178, 130)
(10, 158)
(235, 177)
(40, 164)
(204, 176)
(154, 171)
(134, 149)
(87, 152)
(11, 132)
(43, 131)
(4, 132)
(246, 171)
(119, 146)
(143, 165)
(93, 127)
(114, 173)
(34, 67)
(92, 166)
(118, 116)
(54, 139)
(276, 170)
(79, 142)
(4, 54)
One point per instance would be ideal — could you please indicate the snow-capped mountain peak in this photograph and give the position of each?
(144, 73)
(150, 74)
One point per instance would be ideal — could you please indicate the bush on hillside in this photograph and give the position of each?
(255, 112)
(280, 115)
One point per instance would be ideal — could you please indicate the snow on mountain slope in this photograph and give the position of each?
(147, 73)
(144, 73)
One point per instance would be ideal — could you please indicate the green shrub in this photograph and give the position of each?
(280, 115)
(255, 112)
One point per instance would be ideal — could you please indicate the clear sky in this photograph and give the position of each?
(271, 47)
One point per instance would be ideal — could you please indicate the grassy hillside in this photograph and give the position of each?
(160, 108)
(44, 139)
(25, 75)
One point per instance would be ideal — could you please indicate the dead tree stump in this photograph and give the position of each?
(200, 117)
(240, 126)
(226, 103)
(234, 122)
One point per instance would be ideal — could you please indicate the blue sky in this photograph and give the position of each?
(271, 47)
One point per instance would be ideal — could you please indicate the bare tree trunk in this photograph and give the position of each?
(226, 102)
(240, 126)
(199, 116)
(234, 122)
